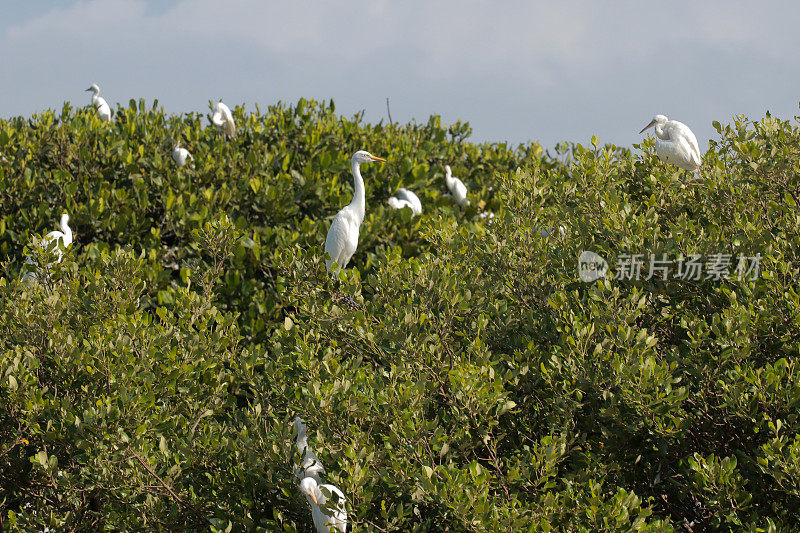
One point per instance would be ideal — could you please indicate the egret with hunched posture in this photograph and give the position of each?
(55, 240)
(311, 466)
(675, 143)
(406, 198)
(342, 239)
(456, 187)
(180, 155)
(100, 104)
(318, 497)
(223, 119)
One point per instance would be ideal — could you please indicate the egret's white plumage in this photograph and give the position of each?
(180, 155)
(406, 198)
(456, 187)
(342, 239)
(675, 143)
(326, 519)
(311, 466)
(100, 104)
(410, 197)
(223, 119)
(55, 241)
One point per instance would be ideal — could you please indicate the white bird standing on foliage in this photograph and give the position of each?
(100, 104)
(406, 198)
(342, 239)
(456, 188)
(311, 466)
(318, 495)
(675, 143)
(180, 155)
(223, 119)
(55, 240)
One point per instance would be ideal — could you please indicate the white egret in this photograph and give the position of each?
(675, 143)
(311, 466)
(325, 518)
(342, 239)
(456, 187)
(406, 198)
(55, 241)
(410, 197)
(100, 104)
(180, 155)
(223, 119)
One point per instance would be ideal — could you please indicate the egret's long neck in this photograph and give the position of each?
(359, 202)
(67, 231)
(660, 131)
(302, 440)
(448, 178)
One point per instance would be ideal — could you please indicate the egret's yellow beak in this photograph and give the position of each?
(313, 497)
(378, 159)
(652, 123)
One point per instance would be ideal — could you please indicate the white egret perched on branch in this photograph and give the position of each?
(311, 466)
(456, 187)
(675, 143)
(180, 155)
(55, 241)
(223, 119)
(325, 515)
(342, 239)
(100, 104)
(406, 198)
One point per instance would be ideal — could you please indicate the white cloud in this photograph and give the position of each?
(515, 70)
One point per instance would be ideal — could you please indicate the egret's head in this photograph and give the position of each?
(94, 88)
(64, 219)
(447, 171)
(362, 156)
(395, 203)
(658, 119)
(309, 487)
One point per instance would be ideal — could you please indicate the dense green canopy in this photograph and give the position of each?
(459, 376)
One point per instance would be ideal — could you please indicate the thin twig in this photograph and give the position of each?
(163, 484)
(389, 112)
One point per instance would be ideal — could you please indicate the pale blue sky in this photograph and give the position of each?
(517, 71)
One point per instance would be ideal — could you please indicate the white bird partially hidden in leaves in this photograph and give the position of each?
(223, 119)
(100, 104)
(675, 143)
(311, 466)
(456, 188)
(327, 505)
(342, 239)
(54, 241)
(180, 155)
(406, 198)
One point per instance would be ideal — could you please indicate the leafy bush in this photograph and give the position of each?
(457, 377)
